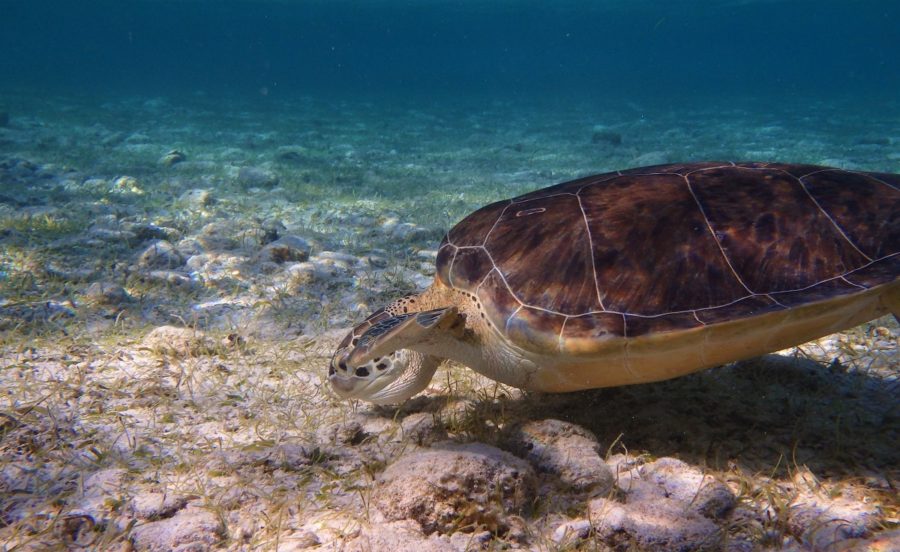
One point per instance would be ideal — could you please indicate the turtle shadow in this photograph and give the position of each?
(767, 414)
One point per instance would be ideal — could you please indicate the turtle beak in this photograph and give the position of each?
(339, 376)
(344, 386)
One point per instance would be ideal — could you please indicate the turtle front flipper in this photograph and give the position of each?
(402, 331)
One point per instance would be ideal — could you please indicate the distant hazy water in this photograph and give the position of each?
(652, 50)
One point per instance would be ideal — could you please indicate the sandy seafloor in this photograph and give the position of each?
(227, 437)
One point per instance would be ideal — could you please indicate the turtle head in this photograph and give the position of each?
(388, 379)
(374, 361)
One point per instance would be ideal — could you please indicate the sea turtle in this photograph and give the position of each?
(638, 276)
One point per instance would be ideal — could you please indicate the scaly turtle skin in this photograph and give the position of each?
(639, 276)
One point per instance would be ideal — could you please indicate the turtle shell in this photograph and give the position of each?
(671, 248)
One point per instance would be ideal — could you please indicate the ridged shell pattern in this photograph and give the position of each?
(673, 247)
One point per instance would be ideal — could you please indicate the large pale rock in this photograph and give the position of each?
(107, 482)
(886, 540)
(330, 528)
(398, 536)
(566, 450)
(683, 482)
(571, 531)
(178, 342)
(669, 505)
(663, 524)
(155, 505)
(824, 519)
(421, 429)
(299, 540)
(190, 529)
(455, 486)
(99, 489)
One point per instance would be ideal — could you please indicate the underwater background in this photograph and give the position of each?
(199, 198)
(494, 97)
(594, 51)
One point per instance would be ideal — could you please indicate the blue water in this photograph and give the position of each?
(439, 49)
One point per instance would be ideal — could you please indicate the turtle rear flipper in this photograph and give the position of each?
(401, 332)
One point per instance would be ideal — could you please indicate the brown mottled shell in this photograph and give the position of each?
(672, 248)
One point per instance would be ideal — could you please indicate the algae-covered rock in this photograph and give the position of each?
(106, 294)
(398, 536)
(824, 517)
(190, 529)
(286, 249)
(178, 342)
(662, 525)
(683, 482)
(566, 450)
(453, 486)
(160, 254)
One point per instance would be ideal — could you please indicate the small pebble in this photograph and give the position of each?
(127, 185)
(178, 342)
(254, 177)
(197, 198)
(160, 254)
(172, 158)
(106, 293)
(286, 249)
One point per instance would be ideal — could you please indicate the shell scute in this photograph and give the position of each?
(746, 307)
(876, 273)
(680, 169)
(542, 247)
(498, 302)
(469, 268)
(473, 229)
(652, 248)
(446, 253)
(794, 170)
(581, 334)
(818, 292)
(860, 206)
(642, 325)
(805, 247)
(535, 329)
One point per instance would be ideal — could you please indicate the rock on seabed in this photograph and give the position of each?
(451, 487)
(566, 450)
